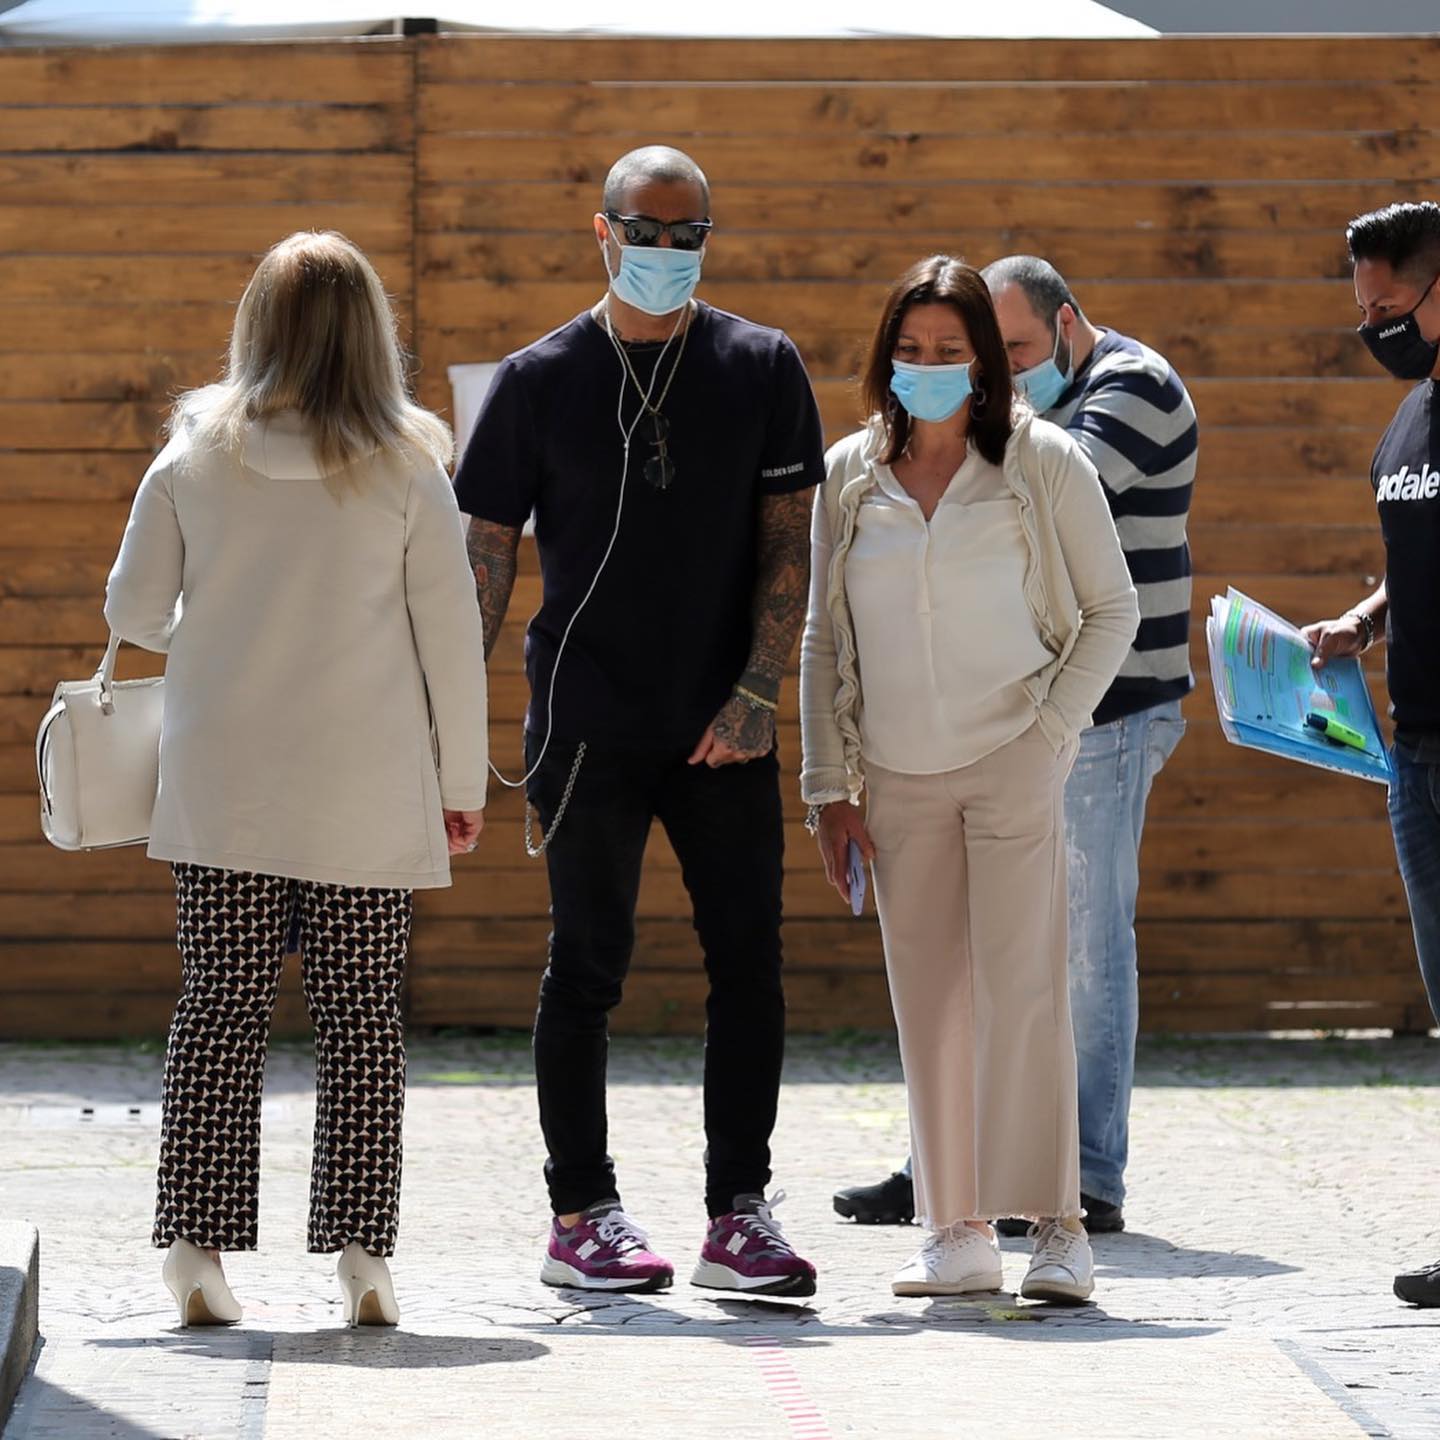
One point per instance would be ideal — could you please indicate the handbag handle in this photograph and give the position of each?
(42, 743)
(106, 675)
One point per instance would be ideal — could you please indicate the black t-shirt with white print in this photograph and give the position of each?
(1406, 477)
(666, 634)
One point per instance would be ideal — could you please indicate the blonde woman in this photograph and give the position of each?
(297, 553)
(969, 606)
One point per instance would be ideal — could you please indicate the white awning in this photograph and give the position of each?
(74, 22)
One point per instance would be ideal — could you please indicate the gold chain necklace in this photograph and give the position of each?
(644, 394)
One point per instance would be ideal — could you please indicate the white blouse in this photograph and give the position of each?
(944, 637)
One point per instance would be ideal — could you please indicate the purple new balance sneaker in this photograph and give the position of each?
(746, 1251)
(606, 1250)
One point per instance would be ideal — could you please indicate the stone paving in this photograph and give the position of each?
(1275, 1188)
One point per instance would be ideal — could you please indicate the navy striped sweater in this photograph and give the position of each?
(1131, 415)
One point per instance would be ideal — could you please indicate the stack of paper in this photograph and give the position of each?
(1265, 688)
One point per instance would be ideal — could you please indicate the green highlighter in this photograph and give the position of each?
(1333, 729)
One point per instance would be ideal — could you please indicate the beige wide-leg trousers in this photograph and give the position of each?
(970, 886)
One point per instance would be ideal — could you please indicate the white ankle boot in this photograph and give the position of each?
(198, 1284)
(365, 1285)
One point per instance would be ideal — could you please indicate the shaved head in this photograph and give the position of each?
(648, 165)
(1040, 282)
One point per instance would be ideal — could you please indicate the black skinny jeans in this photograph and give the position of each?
(725, 828)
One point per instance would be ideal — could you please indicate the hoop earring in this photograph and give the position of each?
(978, 399)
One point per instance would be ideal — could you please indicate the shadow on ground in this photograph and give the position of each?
(745, 1322)
(366, 1349)
(1133, 1253)
(46, 1409)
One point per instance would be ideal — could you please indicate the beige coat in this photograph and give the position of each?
(314, 639)
(1076, 584)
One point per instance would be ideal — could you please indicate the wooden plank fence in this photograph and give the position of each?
(1193, 191)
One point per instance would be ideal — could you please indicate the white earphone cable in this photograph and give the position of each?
(626, 436)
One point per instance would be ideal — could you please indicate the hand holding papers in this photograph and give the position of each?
(1271, 699)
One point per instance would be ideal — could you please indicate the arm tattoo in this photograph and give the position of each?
(782, 589)
(494, 553)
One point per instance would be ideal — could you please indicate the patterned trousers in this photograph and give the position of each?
(232, 928)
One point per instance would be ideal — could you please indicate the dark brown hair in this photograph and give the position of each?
(944, 280)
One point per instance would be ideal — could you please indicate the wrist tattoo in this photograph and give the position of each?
(765, 686)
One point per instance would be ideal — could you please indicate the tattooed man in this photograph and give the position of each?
(667, 451)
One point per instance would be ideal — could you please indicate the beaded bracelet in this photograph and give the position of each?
(1367, 625)
(754, 701)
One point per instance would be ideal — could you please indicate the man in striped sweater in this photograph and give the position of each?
(1129, 412)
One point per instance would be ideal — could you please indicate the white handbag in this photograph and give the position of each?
(98, 757)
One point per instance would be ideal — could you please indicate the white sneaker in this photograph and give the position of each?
(1062, 1267)
(954, 1261)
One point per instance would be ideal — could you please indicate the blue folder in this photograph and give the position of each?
(1265, 687)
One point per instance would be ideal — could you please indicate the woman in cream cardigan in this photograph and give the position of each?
(297, 553)
(969, 605)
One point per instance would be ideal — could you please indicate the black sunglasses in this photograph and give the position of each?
(643, 230)
(659, 469)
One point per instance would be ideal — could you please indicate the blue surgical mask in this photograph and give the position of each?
(931, 392)
(657, 279)
(1043, 384)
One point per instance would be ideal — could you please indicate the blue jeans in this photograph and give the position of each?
(1104, 816)
(1415, 824)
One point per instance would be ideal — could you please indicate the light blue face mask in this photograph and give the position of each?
(1043, 384)
(931, 392)
(657, 279)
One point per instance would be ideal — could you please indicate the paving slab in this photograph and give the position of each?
(1276, 1186)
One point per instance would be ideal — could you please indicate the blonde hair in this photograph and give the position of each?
(315, 332)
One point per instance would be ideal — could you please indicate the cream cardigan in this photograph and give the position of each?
(314, 639)
(1076, 584)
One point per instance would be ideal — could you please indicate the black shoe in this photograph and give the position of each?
(1101, 1218)
(1422, 1287)
(891, 1202)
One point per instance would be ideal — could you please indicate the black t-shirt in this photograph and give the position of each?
(667, 632)
(1406, 477)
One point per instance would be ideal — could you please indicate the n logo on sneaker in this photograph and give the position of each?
(1408, 484)
(736, 1243)
(586, 1250)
